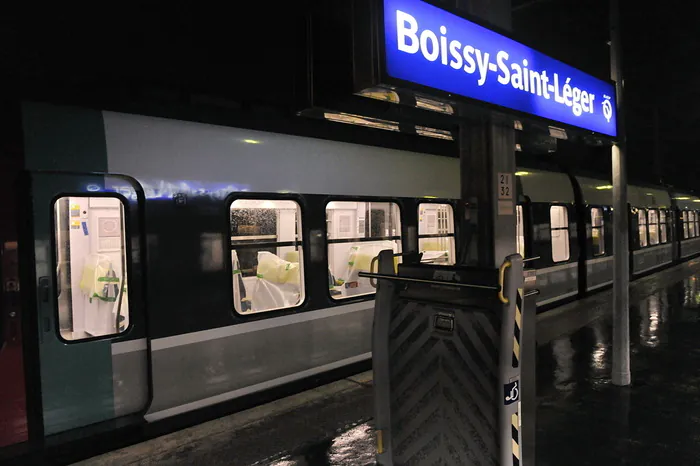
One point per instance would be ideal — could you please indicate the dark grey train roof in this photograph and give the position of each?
(544, 186)
(687, 201)
(599, 192)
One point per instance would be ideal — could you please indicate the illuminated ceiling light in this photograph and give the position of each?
(522, 173)
(429, 197)
(650, 194)
(684, 198)
(518, 148)
(252, 141)
(696, 200)
(558, 133)
(358, 120)
(434, 133)
(518, 125)
(434, 105)
(604, 187)
(378, 93)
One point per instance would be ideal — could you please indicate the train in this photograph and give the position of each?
(170, 267)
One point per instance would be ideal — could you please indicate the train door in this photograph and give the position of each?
(85, 264)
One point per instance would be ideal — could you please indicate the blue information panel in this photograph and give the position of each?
(432, 47)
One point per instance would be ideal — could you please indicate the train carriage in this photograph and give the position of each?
(168, 266)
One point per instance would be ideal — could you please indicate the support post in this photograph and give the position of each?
(487, 154)
(621, 374)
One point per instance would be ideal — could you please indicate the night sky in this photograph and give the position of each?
(661, 73)
(192, 52)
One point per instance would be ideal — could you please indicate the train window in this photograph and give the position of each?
(520, 231)
(559, 219)
(692, 231)
(697, 224)
(266, 255)
(597, 231)
(91, 281)
(358, 232)
(436, 233)
(653, 227)
(684, 217)
(642, 222)
(663, 227)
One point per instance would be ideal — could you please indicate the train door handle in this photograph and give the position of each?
(44, 298)
(44, 289)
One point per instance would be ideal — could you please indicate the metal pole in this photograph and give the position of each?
(621, 374)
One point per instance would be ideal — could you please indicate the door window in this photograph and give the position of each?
(520, 231)
(597, 231)
(91, 276)
(559, 220)
(642, 221)
(436, 233)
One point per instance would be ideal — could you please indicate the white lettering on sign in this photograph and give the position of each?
(518, 75)
(505, 187)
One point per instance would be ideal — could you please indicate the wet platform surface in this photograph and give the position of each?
(582, 419)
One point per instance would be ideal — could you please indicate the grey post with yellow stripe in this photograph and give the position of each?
(446, 360)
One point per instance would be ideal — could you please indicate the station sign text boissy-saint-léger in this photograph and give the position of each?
(429, 46)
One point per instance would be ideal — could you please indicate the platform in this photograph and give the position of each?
(582, 419)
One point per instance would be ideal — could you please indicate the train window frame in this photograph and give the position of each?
(400, 238)
(568, 233)
(697, 223)
(654, 238)
(453, 235)
(128, 262)
(663, 226)
(302, 240)
(642, 214)
(601, 231)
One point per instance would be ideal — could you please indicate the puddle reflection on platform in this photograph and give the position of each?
(582, 419)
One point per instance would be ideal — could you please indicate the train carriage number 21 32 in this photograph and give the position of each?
(505, 186)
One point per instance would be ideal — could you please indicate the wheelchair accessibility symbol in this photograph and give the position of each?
(511, 393)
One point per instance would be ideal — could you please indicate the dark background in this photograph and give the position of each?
(660, 43)
(224, 57)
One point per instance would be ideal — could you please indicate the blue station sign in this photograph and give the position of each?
(426, 45)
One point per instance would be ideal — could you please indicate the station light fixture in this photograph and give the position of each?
(522, 173)
(422, 102)
(558, 133)
(434, 105)
(252, 141)
(387, 125)
(434, 133)
(379, 93)
(683, 198)
(359, 120)
(604, 187)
